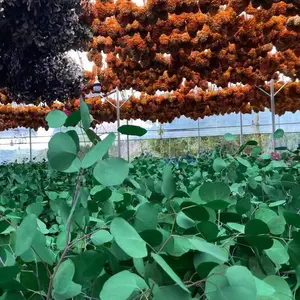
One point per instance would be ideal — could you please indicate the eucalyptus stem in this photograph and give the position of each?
(171, 232)
(69, 225)
(259, 261)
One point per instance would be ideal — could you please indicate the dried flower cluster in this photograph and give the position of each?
(205, 41)
(182, 46)
(164, 108)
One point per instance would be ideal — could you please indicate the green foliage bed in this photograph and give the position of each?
(224, 227)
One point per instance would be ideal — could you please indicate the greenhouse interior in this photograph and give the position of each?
(150, 149)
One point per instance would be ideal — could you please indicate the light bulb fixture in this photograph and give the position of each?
(96, 86)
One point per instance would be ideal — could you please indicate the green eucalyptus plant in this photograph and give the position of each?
(90, 226)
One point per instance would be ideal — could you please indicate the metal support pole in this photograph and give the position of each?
(118, 122)
(199, 137)
(241, 130)
(272, 96)
(272, 99)
(30, 146)
(128, 151)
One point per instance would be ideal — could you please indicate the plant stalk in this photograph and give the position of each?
(69, 225)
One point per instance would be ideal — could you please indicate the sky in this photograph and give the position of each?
(80, 57)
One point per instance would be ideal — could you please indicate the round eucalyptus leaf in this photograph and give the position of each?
(168, 186)
(278, 253)
(243, 162)
(184, 221)
(256, 227)
(85, 114)
(121, 286)
(146, 218)
(211, 191)
(194, 211)
(257, 234)
(294, 252)
(209, 248)
(225, 283)
(73, 134)
(281, 148)
(34, 208)
(256, 151)
(229, 137)
(209, 231)
(98, 151)
(292, 219)
(282, 289)
(171, 292)
(275, 223)
(74, 167)
(73, 119)
(127, 238)
(111, 171)
(219, 164)
(101, 237)
(260, 241)
(152, 237)
(56, 118)
(243, 206)
(103, 195)
(132, 130)
(62, 151)
(279, 133)
(205, 268)
(164, 265)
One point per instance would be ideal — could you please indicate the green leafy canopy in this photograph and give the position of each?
(87, 225)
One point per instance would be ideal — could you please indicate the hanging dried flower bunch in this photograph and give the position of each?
(165, 108)
(211, 38)
(181, 47)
